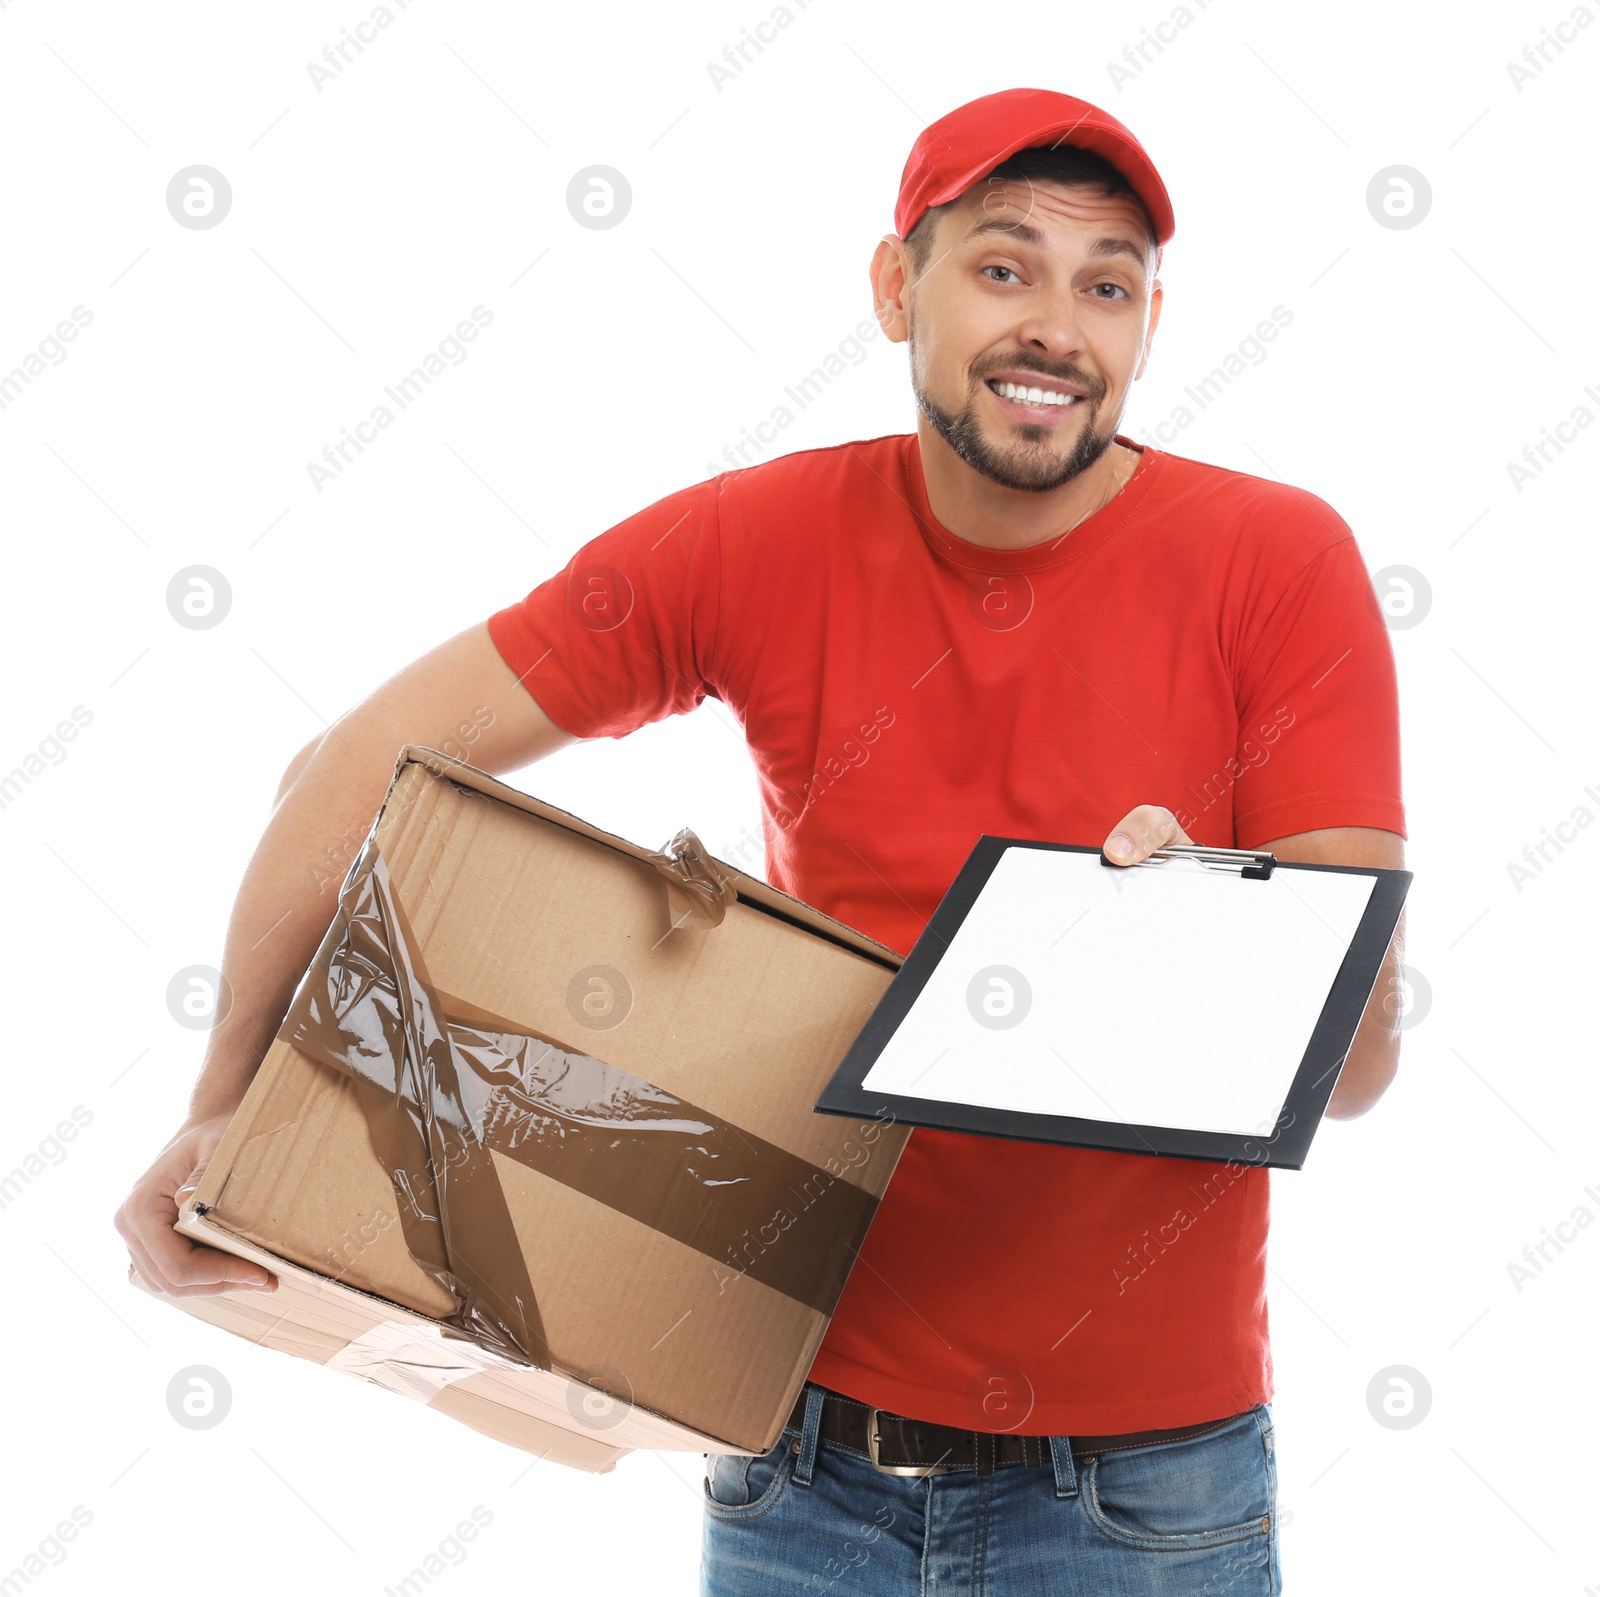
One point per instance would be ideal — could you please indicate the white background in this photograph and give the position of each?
(430, 177)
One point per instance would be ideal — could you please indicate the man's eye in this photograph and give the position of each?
(1117, 286)
(1006, 269)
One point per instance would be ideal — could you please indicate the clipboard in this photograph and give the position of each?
(1196, 1005)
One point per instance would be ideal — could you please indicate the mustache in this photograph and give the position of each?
(1095, 388)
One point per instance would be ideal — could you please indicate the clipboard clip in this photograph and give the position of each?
(1254, 864)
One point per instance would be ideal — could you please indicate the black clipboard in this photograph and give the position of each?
(1283, 1142)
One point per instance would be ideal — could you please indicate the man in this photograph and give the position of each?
(1049, 1370)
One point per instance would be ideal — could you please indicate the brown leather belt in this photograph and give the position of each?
(900, 1446)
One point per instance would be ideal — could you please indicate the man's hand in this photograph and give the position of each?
(1374, 1055)
(167, 1261)
(1141, 832)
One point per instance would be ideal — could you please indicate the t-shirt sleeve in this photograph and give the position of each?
(626, 633)
(1318, 701)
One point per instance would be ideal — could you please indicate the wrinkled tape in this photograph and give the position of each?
(412, 1360)
(440, 1093)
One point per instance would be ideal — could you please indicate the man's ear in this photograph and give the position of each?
(891, 281)
(1150, 332)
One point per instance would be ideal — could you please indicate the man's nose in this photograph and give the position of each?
(1052, 325)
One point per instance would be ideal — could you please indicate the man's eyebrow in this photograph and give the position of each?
(1120, 246)
(1022, 232)
(1027, 233)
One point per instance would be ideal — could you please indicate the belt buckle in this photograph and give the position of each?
(917, 1470)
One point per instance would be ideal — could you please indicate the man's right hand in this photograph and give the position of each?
(170, 1262)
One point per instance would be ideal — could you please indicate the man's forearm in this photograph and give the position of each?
(324, 808)
(1374, 1056)
(461, 688)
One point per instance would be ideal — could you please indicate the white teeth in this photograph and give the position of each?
(1033, 396)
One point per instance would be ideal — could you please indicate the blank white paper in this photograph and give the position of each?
(1163, 994)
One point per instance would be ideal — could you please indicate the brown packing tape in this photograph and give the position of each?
(442, 1091)
(703, 894)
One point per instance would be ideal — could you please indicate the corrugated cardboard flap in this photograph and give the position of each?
(751, 889)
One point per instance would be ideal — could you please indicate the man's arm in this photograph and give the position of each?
(1374, 1055)
(325, 806)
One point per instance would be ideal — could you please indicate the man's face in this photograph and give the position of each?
(1028, 325)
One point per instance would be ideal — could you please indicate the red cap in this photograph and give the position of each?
(952, 154)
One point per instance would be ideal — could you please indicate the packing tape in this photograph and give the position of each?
(415, 1361)
(442, 1094)
(701, 892)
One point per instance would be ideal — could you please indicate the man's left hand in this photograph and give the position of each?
(1141, 832)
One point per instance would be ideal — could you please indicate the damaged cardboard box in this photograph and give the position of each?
(534, 1144)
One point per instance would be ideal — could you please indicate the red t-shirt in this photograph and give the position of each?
(1207, 641)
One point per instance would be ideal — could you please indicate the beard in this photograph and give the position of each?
(1029, 465)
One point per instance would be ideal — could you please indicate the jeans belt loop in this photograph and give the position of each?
(810, 1435)
(1066, 1469)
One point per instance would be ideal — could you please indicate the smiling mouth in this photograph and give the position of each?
(1039, 400)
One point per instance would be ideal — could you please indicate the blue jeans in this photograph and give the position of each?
(1196, 1517)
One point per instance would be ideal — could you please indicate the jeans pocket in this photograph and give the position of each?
(1201, 1492)
(739, 1486)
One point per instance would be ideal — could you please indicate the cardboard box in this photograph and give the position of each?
(535, 1143)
